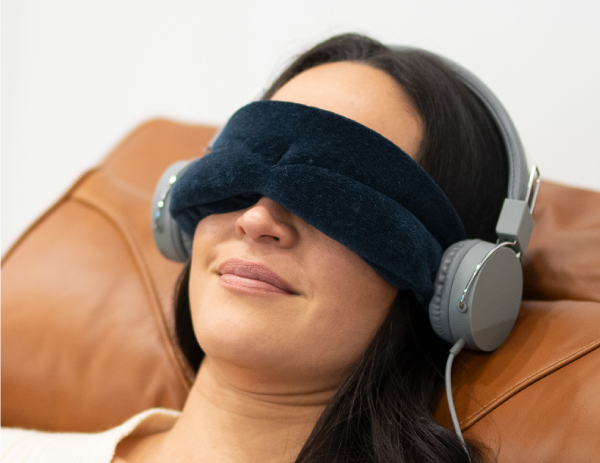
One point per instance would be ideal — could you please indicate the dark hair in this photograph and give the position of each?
(383, 410)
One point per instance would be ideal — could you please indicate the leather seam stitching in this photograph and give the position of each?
(511, 392)
(64, 198)
(141, 267)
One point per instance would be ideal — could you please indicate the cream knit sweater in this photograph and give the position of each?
(26, 446)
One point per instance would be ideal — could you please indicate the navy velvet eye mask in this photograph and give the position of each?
(341, 177)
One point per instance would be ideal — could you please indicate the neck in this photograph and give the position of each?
(228, 419)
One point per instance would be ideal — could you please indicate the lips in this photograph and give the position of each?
(252, 277)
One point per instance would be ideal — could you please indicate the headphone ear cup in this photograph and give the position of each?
(171, 241)
(484, 315)
(439, 316)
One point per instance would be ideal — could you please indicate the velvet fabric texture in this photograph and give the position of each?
(341, 177)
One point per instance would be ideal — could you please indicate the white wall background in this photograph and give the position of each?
(79, 75)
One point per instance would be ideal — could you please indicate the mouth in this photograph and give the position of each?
(252, 277)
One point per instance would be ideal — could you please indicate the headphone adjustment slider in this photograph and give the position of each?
(532, 187)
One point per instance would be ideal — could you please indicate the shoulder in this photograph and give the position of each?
(24, 446)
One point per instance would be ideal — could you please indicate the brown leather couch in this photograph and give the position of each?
(87, 323)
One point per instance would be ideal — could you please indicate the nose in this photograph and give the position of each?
(267, 222)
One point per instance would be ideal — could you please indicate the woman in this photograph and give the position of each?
(308, 353)
(382, 410)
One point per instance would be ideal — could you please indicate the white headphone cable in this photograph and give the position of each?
(454, 350)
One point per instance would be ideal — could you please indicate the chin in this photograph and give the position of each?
(238, 337)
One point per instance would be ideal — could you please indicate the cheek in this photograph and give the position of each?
(202, 252)
(349, 304)
(209, 236)
(335, 342)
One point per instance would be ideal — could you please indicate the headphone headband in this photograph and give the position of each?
(518, 175)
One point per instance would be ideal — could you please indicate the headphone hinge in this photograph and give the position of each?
(515, 223)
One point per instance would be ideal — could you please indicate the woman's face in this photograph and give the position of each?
(273, 296)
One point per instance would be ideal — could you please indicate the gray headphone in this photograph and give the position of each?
(479, 285)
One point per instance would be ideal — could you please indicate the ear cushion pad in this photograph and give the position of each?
(171, 241)
(439, 304)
